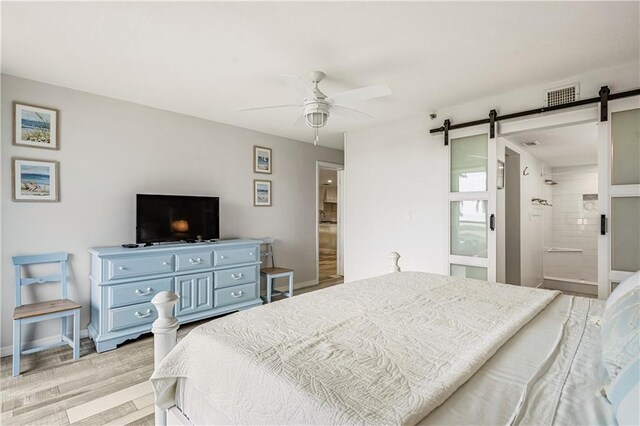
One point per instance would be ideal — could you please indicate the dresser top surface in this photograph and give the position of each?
(172, 247)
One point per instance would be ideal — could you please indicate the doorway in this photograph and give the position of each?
(551, 208)
(330, 226)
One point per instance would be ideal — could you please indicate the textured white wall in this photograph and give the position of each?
(395, 192)
(111, 150)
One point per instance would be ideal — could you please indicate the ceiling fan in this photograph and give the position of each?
(317, 107)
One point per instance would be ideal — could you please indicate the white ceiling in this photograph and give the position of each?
(564, 146)
(207, 59)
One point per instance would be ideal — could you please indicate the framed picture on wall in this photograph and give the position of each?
(35, 126)
(35, 180)
(262, 160)
(262, 193)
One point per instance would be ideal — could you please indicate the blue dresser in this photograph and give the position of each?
(210, 278)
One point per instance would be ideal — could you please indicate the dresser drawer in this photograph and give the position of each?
(196, 260)
(235, 276)
(131, 316)
(131, 267)
(139, 292)
(235, 294)
(230, 257)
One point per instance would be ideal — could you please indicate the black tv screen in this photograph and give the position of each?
(161, 218)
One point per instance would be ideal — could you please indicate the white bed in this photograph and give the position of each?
(448, 351)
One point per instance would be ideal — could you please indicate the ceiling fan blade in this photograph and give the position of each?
(298, 123)
(269, 107)
(362, 94)
(300, 85)
(346, 112)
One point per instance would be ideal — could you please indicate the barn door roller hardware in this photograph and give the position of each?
(604, 96)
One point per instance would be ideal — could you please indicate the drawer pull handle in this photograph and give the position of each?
(236, 295)
(145, 315)
(121, 268)
(237, 277)
(222, 257)
(165, 263)
(195, 261)
(250, 254)
(144, 293)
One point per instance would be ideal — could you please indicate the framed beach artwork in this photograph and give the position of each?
(35, 180)
(262, 193)
(262, 159)
(35, 126)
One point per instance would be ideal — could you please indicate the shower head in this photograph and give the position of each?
(550, 182)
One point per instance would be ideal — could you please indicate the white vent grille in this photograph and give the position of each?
(562, 95)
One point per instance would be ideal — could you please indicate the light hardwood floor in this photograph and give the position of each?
(99, 389)
(328, 268)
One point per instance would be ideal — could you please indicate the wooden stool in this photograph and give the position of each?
(274, 272)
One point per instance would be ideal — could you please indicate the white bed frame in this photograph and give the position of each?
(165, 330)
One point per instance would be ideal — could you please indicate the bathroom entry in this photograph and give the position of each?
(554, 175)
(330, 224)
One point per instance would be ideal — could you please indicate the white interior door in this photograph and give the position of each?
(619, 194)
(472, 204)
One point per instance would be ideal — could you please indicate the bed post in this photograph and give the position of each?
(394, 257)
(164, 331)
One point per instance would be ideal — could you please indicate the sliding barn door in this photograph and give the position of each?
(619, 194)
(472, 205)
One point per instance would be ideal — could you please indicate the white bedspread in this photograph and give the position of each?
(386, 350)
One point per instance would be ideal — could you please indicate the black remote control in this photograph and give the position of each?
(130, 245)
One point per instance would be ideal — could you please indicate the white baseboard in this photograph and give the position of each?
(8, 350)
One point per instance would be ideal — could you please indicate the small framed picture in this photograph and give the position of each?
(35, 126)
(262, 193)
(261, 160)
(500, 174)
(35, 180)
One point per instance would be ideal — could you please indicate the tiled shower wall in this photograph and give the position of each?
(574, 224)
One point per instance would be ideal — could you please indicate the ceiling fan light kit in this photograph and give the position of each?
(317, 107)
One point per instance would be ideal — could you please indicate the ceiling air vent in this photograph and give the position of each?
(562, 95)
(531, 143)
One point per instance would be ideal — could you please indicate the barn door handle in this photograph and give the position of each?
(492, 222)
(603, 224)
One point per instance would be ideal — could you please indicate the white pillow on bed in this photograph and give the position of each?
(624, 394)
(620, 333)
(623, 288)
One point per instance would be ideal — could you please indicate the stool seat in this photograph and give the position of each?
(44, 308)
(274, 271)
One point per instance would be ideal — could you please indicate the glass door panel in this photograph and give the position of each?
(625, 147)
(469, 228)
(475, 272)
(469, 164)
(625, 234)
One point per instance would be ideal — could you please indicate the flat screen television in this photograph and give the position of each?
(163, 218)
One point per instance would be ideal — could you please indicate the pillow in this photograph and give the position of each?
(624, 394)
(623, 288)
(621, 332)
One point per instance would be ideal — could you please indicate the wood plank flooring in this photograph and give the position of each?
(328, 268)
(111, 388)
